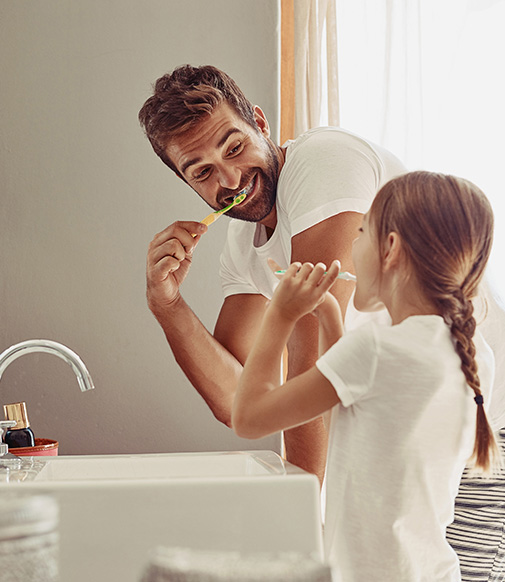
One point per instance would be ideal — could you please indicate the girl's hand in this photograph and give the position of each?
(303, 288)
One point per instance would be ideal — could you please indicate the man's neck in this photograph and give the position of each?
(270, 221)
(269, 232)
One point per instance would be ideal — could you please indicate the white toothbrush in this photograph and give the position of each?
(344, 275)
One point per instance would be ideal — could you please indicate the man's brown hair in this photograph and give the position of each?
(181, 100)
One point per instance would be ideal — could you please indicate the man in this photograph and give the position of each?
(305, 202)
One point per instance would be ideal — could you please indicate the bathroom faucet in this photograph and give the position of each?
(50, 347)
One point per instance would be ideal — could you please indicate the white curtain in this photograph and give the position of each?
(426, 79)
(316, 80)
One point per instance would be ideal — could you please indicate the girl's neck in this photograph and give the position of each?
(406, 299)
(399, 315)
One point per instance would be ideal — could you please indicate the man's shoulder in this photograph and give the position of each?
(324, 136)
(323, 154)
(325, 146)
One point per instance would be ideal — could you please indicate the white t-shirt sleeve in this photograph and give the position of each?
(350, 364)
(326, 173)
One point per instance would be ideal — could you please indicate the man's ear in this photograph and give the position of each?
(261, 121)
(393, 254)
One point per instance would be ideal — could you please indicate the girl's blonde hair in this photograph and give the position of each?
(446, 224)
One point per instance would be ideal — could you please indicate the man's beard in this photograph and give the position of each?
(264, 200)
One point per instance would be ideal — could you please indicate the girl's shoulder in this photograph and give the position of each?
(418, 337)
(415, 325)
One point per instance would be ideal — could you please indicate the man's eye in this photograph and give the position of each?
(202, 174)
(235, 149)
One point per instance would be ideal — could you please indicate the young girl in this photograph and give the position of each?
(407, 401)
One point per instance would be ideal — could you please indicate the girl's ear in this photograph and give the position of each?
(393, 252)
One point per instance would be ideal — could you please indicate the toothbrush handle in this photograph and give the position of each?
(346, 276)
(211, 218)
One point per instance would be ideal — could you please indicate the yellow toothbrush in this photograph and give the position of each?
(213, 216)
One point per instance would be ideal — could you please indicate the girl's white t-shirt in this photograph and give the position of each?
(399, 442)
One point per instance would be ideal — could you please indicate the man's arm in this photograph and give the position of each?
(331, 239)
(213, 364)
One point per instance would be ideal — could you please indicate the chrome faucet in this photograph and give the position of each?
(50, 347)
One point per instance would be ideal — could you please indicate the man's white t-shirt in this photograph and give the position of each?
(327, 171)
(399, 442)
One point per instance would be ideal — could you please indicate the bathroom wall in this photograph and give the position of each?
(83, 194)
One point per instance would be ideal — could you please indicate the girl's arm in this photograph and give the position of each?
(261, 405)
(331, 329)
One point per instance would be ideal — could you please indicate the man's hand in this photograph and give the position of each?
(168, 262)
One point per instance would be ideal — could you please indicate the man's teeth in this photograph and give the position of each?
(248, 188)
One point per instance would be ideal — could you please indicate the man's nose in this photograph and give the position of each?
(229, 177)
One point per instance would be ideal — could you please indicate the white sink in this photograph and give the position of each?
(159, 467)
(114, 509)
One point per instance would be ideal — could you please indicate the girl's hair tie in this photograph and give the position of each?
(479, 399)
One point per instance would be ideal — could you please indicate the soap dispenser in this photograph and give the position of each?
(21, 435)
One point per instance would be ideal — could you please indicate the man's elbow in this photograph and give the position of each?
(223, 416)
